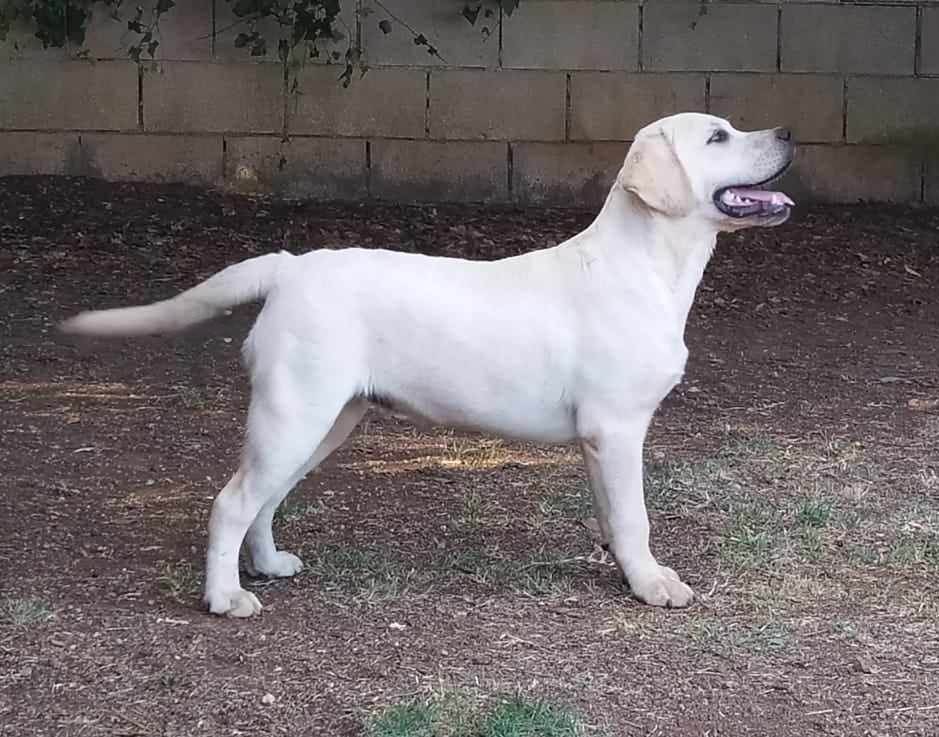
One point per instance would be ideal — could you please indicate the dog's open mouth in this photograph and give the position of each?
(751, 201)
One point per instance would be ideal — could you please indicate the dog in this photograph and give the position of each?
(579, 342)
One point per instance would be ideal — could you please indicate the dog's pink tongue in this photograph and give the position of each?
(762, 195)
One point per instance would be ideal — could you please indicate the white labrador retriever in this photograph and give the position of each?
(577, 342)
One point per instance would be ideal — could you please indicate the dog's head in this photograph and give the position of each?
(700, 165)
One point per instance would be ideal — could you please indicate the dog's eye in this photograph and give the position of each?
(719, 136)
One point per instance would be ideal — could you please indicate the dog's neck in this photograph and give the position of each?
(678, 250)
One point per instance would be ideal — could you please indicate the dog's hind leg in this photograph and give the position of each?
(601, 504)
(263, 557)
(284, 427)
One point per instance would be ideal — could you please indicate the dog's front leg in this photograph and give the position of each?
(614, 464)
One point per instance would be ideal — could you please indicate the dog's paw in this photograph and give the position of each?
(234, 603)
(662, 588)
(279, 565)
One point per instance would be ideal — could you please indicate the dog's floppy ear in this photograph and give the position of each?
(654, 174)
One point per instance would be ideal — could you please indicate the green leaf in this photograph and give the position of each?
(76, 21)
(164, 6)
(241, 8)
(241, 40)
(471, 14)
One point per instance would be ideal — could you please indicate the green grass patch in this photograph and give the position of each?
(814, 513)
(453, 715)
(727, 638)
(571, 504)
(752, 444)
(901, 554)
(471, 514)
(546, 573)
(369, 578)
(752, 534)
(412, 719)
(292, 513)
(519, 717)
(179, 580)
(24, 612)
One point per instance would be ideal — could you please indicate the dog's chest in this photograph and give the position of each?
(654, 370)
(672, 370)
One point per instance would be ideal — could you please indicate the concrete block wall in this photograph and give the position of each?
(539, 111)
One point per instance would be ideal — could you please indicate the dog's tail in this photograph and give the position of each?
(247, 281)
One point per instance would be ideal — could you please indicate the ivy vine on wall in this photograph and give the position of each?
(303, 27)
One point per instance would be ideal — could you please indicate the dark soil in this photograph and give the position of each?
(434, 562)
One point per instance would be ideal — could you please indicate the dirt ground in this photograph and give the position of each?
(793, 480)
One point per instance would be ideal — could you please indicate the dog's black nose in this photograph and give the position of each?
(784, 134)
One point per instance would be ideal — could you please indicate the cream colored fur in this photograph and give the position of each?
(575, 343)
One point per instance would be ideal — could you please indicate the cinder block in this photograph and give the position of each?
(893, 110)
(322, 168)
(184, 32)
(434, 171)
(931, 179)
(558, 34)
(844, 174)
(929, 53)
(613, 107)
(151, 158)
(441, 21)
(385, 102)
(856, 39)
(565, 174)
(688, 35)
(811, 105)
(76, 95)
(510, 105)
(29, 153)
(213, 98)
